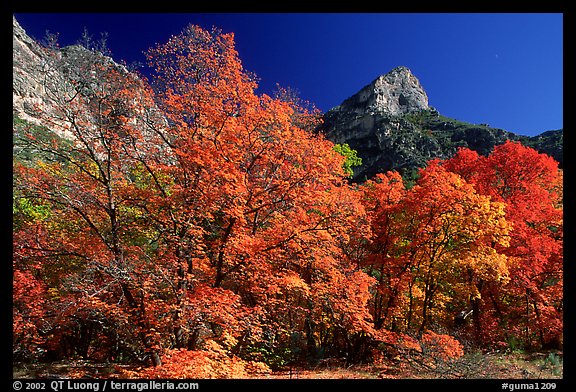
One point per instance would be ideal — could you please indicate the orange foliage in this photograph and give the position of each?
(197, 225)
(530, 185)
(210, 362)
(441, 347)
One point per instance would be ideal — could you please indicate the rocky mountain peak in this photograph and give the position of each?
(397, 92)
(391, 126)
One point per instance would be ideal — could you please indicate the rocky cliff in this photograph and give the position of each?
(28, 81)
(392, 127)
(47, 79)
(388, 122)
(396, 93)
(56, 87)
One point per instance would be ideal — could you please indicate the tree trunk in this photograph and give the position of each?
(538, 323)
(410, 306)
(310, 342)
(475, 303)
(143, 326)
(220, 260)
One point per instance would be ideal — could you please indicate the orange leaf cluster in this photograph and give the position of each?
(192, 226)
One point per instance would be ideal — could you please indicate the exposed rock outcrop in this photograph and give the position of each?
(54, 87)
(388, 122)
(397, 92)
(28, 81)
(392, 127)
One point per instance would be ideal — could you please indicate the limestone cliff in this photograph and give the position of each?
(54, 87)
(28, 80)
(392, 127)
(389, 122)
(397, 92)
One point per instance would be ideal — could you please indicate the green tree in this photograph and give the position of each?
(351, 155)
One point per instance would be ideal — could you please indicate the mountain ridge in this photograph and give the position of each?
(392, 127)
(388, 122)
(396, 92)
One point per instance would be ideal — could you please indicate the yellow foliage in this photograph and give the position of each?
(488, 264)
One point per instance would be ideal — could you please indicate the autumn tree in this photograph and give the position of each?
(265, 195)
(530, 185)
(195, 219)
(455, 237)
(383, 198)
(92, 250)
(432, 249)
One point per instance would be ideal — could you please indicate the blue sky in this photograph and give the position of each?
(502, 69)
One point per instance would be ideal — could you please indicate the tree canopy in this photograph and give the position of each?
(200, 229)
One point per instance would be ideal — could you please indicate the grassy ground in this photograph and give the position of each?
(516, 365)
(471, 366)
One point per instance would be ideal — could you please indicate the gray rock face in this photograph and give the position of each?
(391, 126)
(28, 91)
(52, 85)
(383, 141)
(372, 122)
(40, 78)
(398, 92)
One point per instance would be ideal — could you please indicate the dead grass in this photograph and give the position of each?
(470, 366)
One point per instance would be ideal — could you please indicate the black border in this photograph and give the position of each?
(419, 6)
